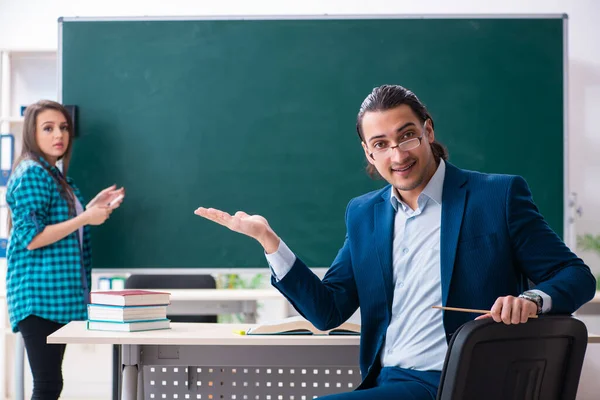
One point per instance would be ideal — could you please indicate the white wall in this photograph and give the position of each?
(32, 25)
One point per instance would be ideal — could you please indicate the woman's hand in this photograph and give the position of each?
(97, 214)
(106, 196)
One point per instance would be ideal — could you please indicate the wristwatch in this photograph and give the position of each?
(536, 298)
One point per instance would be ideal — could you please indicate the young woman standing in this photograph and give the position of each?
(49, 256)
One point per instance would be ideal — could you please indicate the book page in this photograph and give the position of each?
(299, 325)
(290, 325)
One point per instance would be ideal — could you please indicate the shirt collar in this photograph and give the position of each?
(54, 169)
(45, 163)
(433, 189)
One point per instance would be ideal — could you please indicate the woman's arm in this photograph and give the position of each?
(54, 233)
(95, 215)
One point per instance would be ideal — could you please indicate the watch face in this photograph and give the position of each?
(532, 295)
(536, 298)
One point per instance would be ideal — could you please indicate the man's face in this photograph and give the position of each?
(406, 170)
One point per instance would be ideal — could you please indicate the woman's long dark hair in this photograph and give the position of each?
(31, 149)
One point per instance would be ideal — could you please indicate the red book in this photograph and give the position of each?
(130, 298)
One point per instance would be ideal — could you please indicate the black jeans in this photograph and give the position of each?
(45, 359)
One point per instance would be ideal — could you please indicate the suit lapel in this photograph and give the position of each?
(383, 236)
(453, 208)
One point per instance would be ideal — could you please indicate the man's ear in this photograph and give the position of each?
(367, 153)
(430, 132)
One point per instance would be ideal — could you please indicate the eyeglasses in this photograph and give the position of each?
(383, 149)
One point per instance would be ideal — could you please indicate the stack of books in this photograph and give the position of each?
(128, 310)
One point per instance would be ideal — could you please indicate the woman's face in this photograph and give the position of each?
(52, 134)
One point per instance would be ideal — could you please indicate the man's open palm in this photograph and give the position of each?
(254, 226)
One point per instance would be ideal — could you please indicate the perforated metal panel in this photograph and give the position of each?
(247, 383)
(242, 372)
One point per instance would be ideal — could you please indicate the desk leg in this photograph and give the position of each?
(19, 367)
(140, 382)
(249, 311)
(132, 382)
(116, 375)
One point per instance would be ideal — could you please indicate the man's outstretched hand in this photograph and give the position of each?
(255, 226)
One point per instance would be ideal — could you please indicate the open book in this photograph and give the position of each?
(300, 326)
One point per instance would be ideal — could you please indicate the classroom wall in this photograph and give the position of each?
(31, 24)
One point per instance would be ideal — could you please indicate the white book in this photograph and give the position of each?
(128, 326)
(98, 312)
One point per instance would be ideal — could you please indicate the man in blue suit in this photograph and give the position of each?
(435, 235)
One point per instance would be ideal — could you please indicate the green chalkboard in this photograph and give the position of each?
(258, 115)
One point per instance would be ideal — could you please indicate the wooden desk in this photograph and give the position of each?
(212, 361)
(183, 302)
(209, 302)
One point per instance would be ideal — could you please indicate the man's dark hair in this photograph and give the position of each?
(386, 97)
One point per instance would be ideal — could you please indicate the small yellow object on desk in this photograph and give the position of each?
(239, 331)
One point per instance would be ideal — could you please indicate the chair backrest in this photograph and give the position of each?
(144, 281)
(538, 360)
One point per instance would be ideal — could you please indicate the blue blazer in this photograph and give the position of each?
(493, 239)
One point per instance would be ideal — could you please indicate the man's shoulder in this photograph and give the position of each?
(371, 198)
(488, 180)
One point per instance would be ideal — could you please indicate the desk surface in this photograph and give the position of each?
(192, 334)
(200, 334)
(223, 294)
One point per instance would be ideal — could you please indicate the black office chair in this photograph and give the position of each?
(164, 282)
(538, 360)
